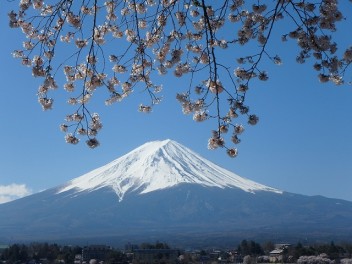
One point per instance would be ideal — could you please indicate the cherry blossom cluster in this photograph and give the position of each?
(119, 46)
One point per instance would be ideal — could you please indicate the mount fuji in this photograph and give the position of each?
(165, 191)
(157, 166)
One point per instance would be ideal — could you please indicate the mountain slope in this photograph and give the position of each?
(186, 215)
(159, 165)
(164, 191)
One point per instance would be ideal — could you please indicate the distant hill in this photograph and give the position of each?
(164, 191)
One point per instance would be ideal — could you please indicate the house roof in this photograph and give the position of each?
(276, 251)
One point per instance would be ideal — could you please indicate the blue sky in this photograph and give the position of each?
(302, 143)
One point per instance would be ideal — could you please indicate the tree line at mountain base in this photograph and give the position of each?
(246, 252)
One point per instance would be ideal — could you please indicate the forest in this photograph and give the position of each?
(245, 252)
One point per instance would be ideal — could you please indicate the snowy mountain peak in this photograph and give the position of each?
(158, 165)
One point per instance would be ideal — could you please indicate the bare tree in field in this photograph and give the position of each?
(121, 46)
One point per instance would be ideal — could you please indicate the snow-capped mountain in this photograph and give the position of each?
(164, 191)
(158, 165)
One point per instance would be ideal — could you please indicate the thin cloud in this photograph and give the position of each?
(12, 192)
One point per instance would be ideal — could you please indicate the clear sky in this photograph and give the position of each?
(302, 144)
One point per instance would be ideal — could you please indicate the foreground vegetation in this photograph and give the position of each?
(246, 252)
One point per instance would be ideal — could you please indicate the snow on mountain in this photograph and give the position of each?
(186, 199)
(158, 165)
